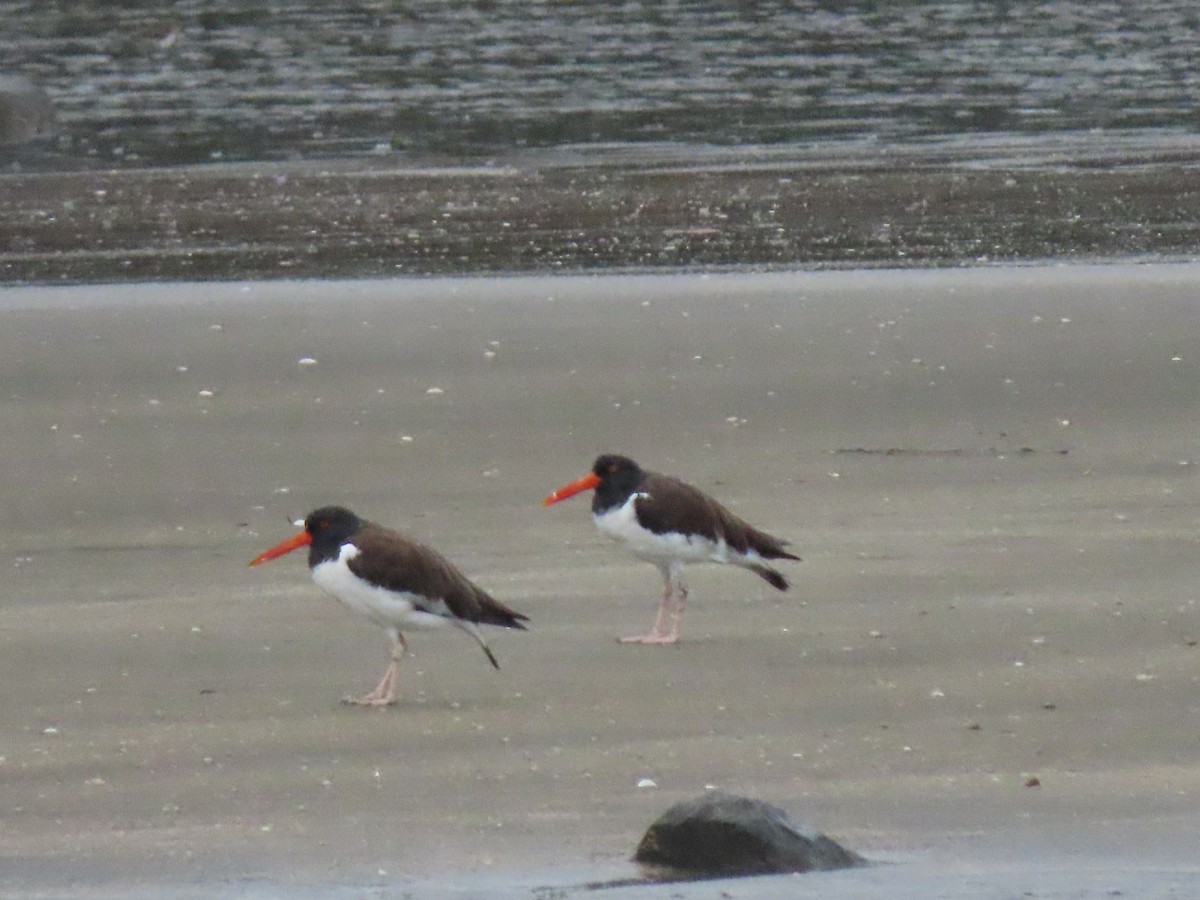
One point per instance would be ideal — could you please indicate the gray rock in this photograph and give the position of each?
(26, 112)
(720, 835)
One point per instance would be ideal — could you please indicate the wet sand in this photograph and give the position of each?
(990, 475)
(830, 206)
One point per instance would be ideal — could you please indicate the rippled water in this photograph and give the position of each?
(140, 83)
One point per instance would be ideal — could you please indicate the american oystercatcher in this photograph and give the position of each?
(667, 522)
(395, 582)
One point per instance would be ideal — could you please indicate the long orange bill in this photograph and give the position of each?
(295, 542)
(586, 483)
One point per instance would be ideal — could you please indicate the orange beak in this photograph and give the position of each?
(586, 483)
(303, 539)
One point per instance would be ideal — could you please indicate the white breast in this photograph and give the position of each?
(389, 609)
(621, 524)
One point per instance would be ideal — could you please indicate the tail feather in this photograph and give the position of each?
(490, 656)
(773, 578)
(473, 630)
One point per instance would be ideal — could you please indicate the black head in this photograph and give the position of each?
(613, 465)
(330, 527)
(325, 530)
(619, 477)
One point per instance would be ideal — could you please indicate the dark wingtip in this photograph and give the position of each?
(514, 620)
(493, 612)
(491, 657)
(776, 551)
(768, 546)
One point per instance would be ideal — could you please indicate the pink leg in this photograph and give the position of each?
(668, 612)
(385, 692)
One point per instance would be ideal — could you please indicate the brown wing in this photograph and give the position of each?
(398, 563)
(673, 505)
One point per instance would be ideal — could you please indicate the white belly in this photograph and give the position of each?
(388, 609)
(621, 524)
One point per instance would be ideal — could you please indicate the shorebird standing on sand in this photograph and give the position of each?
(395, 582)
(667, 522)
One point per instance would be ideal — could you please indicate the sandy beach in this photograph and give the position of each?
(985, 676)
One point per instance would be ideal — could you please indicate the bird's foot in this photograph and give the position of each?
(653, 637)
(385, 692)
(369, 700)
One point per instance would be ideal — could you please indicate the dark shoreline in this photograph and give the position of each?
(369, 219)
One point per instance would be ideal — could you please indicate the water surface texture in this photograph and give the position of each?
(191, 81)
